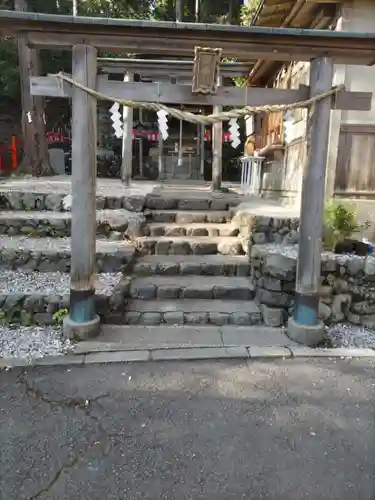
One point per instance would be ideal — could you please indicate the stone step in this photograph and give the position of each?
(195, 203)
(109, 223)
(53, 254)
(192, 287)
(186, 217)
(194, 312)
(43, 298)
(203, 229)
(169, 337)
(185, 245)
(207, 265)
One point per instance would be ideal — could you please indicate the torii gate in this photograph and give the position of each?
(86, 35)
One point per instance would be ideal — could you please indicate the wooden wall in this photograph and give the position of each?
(355, 167)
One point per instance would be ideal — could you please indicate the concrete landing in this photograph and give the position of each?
(126, 337)
(269, 208)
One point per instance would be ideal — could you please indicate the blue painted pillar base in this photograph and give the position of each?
(306, 309)
(82, 305)
(310, 335)
(82, 322)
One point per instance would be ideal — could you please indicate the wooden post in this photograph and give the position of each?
(82, 320)
(217, 148)
(160, 157)
(36, 159)
(312, 205)
(202, 144)
(127, 140)
(140, 148)
(198, 150)
(180, 160)
(179, 10)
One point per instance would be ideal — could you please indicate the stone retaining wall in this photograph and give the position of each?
(59, 260)
(261, 230)
(111, 224)
(347, 291)
(60, 202)
(38, 309)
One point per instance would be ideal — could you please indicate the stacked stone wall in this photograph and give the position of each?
(347, 285)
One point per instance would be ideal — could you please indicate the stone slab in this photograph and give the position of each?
(196, 312)
(193, 229)
(192, 287)
(339, 352)
(190, 305)
(200, 353)
(72, 359)
(57, 159)
(117, 357)
(186, 245)
(208, 265)
(186, 217)
(153, 337)
(254, 336)
(269, 352)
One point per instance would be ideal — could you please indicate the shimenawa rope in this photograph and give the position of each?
(202, 119)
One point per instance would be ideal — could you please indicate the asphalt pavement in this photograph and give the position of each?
(220, 430)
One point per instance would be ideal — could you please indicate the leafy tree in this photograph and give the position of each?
(248, 11)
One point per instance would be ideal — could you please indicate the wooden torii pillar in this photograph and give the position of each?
(305, 327)
(83, 321)
(217, 147)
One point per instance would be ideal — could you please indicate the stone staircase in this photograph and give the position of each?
(191, 267)
(165, 258)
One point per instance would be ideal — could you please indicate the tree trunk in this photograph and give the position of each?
(179, 10)
(231, 12)
(36, 159)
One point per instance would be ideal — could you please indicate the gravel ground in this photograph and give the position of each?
(63, 184)
(118, 214)
(51, 283)
(31, 342)
(56, 244)
(291, 251)
(345, 335)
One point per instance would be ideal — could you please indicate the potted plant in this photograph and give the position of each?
(340, 223)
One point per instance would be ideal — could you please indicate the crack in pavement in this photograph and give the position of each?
(70, 465)
(101, 436)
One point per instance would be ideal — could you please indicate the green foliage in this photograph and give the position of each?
(59, 316)
(210, 11)
(247, 12)
(340, 222)
(165, 11)
(9, 70)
